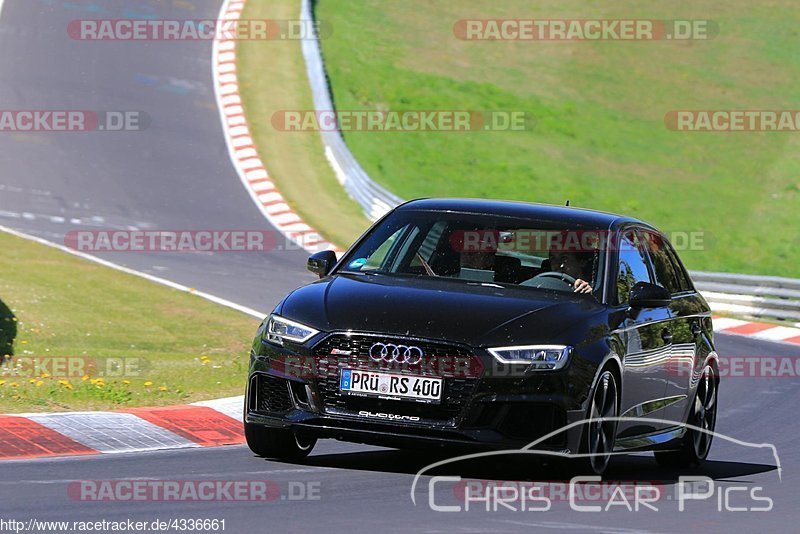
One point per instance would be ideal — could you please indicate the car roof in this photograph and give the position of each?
(527, 210)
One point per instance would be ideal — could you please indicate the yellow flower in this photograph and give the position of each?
(2, 382)
(13, 384)
(68, 386)
(85, 378)
(126, 382)
(45, 375)
(32, 381)
(162, 388)
(148, 383)
(40, 383)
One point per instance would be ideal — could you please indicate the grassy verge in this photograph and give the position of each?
(88, 337)
(600, 138)
(272, 77)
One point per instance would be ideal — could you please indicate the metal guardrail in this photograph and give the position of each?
(374, 199)
(770, 297)
(748, 295)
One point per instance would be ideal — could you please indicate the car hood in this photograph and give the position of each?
(475, 314)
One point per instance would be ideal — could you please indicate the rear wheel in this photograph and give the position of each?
(695, 444)
(278, 443)
(599, 433)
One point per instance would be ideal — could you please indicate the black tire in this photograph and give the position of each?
(277, 443)
(695, 445)
(598, 436)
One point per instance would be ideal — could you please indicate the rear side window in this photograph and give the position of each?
(632, 265)
(680, 270)
(664, 269)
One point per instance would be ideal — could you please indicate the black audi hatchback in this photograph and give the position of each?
(491, 324)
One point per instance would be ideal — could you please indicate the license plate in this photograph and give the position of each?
(387, 385)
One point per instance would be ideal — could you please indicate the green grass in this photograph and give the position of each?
(272, 78)
(600, 138)
(65, 309)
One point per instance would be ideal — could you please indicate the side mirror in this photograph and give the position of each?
(321, 263)
(647, 295)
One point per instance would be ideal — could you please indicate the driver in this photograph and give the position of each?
(575, 264)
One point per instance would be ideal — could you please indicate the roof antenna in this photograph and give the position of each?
(567, 204)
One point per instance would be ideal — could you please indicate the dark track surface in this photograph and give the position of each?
(174, 175)
(177, 175)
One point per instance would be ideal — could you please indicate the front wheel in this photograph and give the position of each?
(278, 443)
(600, 431)
(696, 442)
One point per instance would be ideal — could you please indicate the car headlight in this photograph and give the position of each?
(280, 329)
(537, 357)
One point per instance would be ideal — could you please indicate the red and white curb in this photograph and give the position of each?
(203, 424)
(242, 149)
(762, 331)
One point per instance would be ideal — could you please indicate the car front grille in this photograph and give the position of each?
(459, 368)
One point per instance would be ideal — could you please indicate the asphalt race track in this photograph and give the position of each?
(176, 174)
(173, 175)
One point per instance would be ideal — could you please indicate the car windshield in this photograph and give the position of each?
(487, 249)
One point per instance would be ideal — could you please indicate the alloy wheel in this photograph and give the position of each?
(602, 430)
(705, 412)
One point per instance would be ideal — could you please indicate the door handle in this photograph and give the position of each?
(666, 335)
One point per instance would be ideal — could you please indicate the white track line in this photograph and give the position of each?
(151, 278)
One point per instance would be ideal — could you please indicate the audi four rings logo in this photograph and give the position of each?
(389, 352)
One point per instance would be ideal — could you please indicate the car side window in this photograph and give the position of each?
(663, 267)
(429, 244)
(379, 256)
(680, 270)
(632, 267)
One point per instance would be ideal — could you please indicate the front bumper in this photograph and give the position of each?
(483, 406)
